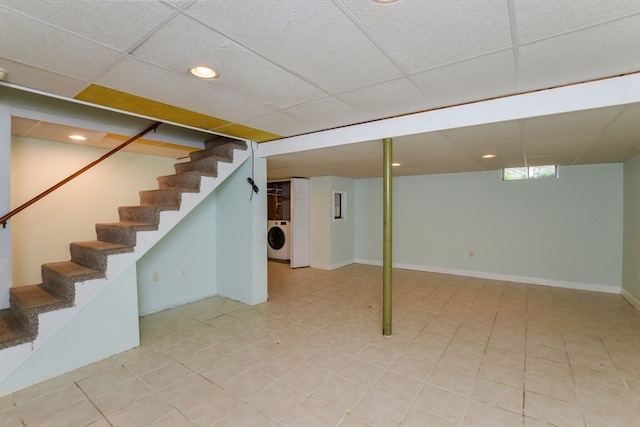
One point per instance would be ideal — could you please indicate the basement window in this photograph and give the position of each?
(531, 172)
(339, 206)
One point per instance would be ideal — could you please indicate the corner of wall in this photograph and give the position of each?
(631, 232)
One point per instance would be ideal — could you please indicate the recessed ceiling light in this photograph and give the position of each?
(489, 156)
(205, 72)
(77, 137)
(384, 1)
(396, 164)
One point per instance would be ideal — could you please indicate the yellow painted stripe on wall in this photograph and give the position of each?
(112, 98)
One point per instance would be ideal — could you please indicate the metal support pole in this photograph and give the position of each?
(387, 246)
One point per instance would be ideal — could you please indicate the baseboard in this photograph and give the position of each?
(332, 266)
(595, 287)
(632, 300)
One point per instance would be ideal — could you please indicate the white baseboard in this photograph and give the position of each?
(332, 266)
(632, 300)
(595, 287)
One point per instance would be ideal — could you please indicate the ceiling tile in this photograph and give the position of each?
(427, 34)
(480, 78)
(241, 71)
(327, 113)
(387, 99)
(539, 19)
(25, 75)
(281, 123)
(574, 123)
(560, 145)
(117, 26)
(141, 79)
(627, 119)
(315, 40)
(485, 135)
(423, 144)
(597, 52)
(625, 140)
(30, 42)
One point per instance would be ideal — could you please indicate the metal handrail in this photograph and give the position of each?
(6, 217)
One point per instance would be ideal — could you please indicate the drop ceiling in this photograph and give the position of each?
(297, 66)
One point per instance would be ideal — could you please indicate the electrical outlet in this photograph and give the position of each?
(369, 245)
(490, 255)
(155, 277)
(471, 254)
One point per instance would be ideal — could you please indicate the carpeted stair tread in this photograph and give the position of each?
(140, 214)
(12, 331)
(107, 247)
(167, 198)
(207, 166)
(35, 298)
(123, 232)
(186, 182)
(222, 153)
(94, 253)
(218, 141)
(72, 270)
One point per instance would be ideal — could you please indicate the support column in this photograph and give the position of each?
(5, 204)
(387, 258)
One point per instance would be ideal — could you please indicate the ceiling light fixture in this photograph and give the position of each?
(384, 1)
(205, 72)
(77, 137)
(489, 156)
(396, 164)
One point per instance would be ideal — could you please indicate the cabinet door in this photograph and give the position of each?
(300, 222)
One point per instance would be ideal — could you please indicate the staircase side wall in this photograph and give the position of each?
(181, 267)
(107, 325)
(241, 235)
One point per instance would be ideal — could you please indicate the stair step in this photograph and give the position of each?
(59, 278)
(219, 141)
(12, 331)
(167, 198)
(187, 182)
(223, 153)
(94, 253)
(123, 233)
(36, 299)
(140, 214)
(207, 166)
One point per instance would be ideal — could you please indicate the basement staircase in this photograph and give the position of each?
(94, 263)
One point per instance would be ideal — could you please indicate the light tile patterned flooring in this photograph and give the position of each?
(464, 352)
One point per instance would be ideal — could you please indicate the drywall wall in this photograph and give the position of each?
(631, 239)
(562, 232)
(42, 232)
(331, 241)
(241, 234)
(181, 267)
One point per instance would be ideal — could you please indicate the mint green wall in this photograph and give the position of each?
(567, 231)
(631, 240)
(185, 260)
(332, 242)
(241, 234)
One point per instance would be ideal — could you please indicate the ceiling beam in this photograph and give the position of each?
(583, 96)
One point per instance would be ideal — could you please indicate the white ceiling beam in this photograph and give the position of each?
(584, 96)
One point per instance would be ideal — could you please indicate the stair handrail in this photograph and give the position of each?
(6, 217)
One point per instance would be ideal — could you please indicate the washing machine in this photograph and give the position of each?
(279, 239)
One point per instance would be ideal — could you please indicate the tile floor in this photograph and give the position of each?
(464, 352)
